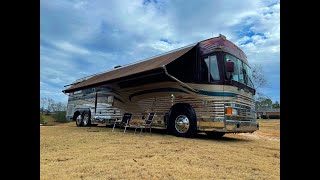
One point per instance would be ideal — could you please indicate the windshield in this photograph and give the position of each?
(242, 72)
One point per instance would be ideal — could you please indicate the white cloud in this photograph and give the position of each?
(43, 84)
(66, 46)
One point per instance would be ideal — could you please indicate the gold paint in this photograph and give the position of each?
(210, 124)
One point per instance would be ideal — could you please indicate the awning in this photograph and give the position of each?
(135, 68)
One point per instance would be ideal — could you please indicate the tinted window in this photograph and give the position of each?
(210, 69)
(248, 75)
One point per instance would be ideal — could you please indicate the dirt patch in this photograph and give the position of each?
(257, 135)
(269, 131)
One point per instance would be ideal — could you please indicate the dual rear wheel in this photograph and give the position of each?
(83, 119)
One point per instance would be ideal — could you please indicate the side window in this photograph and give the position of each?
(77, 92)
(205, 69)
(248, 76)
(110, 99)
(206, 60)
(210, 69)
(214, 69)
(240, 68)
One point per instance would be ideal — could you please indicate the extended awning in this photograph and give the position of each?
(132, 69)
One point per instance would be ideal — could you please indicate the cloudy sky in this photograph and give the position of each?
(79, 37)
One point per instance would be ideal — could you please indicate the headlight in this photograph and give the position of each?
(234, 111)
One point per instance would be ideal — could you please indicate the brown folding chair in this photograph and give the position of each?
(124, 122)
(148, 122)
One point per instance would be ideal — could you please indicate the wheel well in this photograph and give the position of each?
(187, 109)
(85, 112)
(75, 115)
(181, 105)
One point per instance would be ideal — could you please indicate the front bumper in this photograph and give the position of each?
(240, 126)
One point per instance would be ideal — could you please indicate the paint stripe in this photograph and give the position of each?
(225, 94)
(208, 93)
(157, 90)
(188, 89)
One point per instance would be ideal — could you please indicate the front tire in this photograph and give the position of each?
(182, 121)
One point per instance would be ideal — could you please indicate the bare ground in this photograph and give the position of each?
(68, 152)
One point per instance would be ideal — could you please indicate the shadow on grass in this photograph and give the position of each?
(222, 139)
(163, 132)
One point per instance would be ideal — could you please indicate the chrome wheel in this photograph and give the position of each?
(85, 119)
(182, 124)
(78, 120)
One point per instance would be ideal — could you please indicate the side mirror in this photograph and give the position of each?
(230, 66)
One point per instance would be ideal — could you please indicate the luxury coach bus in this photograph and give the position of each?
(203, 87)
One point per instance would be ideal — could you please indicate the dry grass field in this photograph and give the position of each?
(69, 152)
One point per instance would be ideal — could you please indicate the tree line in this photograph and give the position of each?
(262, 102)
(50, 105)
(259, 81)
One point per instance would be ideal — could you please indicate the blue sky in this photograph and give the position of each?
(80, 38)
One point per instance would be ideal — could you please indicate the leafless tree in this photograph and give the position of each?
(60, 106)
(259, 79)
(64, 107)
(43, 103)
(51, 105)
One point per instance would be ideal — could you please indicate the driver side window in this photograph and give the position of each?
(210, 69)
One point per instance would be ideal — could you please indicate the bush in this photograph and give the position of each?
(264, 116)
(47, 113)
(60, 116)
(274, 116)
(42, 120)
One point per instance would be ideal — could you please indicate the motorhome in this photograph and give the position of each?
(203, 87)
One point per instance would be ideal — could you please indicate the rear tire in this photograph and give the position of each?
(79, 122)
(215, 135)
(182, 121)
(86, 119)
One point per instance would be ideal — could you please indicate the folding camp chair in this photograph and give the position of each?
(123, 122)
(148, 122)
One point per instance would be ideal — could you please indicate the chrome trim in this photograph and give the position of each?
(182, 124)
(85, 119)
(79, 119)
(241, 126)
